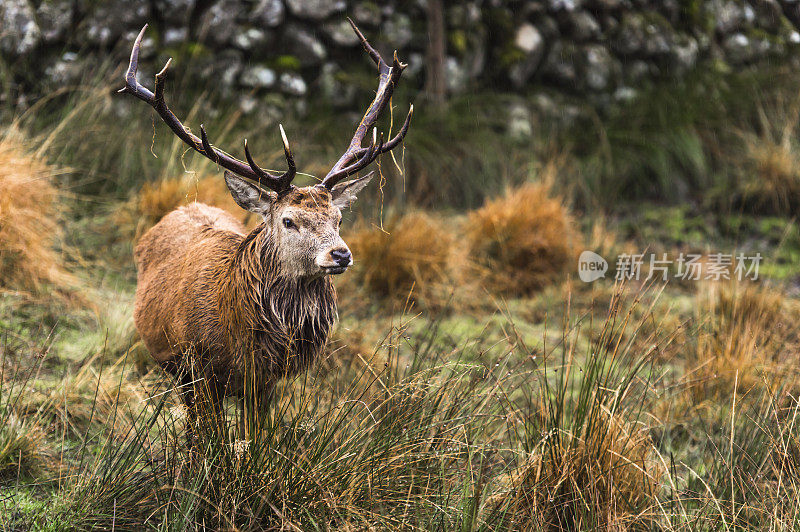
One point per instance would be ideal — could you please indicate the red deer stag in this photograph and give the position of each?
(255, 305)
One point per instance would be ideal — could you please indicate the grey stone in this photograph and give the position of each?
(730, 15)
(463, 15)
(474, 57)
(332, 89)
(519, 126)
(548, 27)
(304, 45)
(225, 67)
(529, 40)
(64, 70)
(218, 25)
(111, 20)
(416, 62)
(269, 13)
(582, 26)
(367, 13)
(599, 68)
(248, 104)
(637, 70)
(739, 48)
(684, 52)
(173, 36)
(560, 66)
(456, 76)
(19, 34)
(258, 77)
(565, 5)
(175, 11)
(560, 110)
(647, 35)
(251, 38)
(54, 20)
(315, 9)
(396, 31)
(340, 33)
(625, 94)
(292, 83)
(768, 15)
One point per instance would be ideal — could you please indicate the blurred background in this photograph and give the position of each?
(541, 129)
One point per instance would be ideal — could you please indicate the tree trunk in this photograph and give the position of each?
(435, 82)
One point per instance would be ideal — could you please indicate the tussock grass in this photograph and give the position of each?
(411, 254)
(24, 449)
(746, 332)
(588, 460)
(523, 240)
(771, 184)
(29, 219)
(427, 440)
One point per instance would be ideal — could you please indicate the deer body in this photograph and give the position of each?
(209, 290)
(243, 307)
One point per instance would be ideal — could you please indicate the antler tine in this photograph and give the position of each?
(373, 53)
(394, 141)
(287, 152)
(388, 77)
(201, 145)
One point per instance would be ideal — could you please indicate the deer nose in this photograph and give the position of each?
(341, 256)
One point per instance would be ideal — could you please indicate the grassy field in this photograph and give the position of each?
(473, 381)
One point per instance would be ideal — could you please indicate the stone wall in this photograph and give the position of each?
(293, 47)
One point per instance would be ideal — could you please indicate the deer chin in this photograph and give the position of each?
(333, 270)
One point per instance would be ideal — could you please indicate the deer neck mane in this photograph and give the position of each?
(271, 313)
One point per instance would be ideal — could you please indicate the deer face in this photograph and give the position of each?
(303, 224)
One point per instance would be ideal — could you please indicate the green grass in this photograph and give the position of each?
(577, 407)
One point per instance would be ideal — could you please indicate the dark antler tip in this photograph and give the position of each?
(355, 28)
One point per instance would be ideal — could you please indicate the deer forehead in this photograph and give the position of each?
(312, 205)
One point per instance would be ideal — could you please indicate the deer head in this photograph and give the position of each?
(301, 222)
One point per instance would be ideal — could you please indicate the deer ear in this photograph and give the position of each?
(249, 196)
(344, 194)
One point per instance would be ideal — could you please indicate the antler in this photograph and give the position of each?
(357, 157)
(249, 169)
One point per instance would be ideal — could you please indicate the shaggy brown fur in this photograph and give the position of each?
(207, 288)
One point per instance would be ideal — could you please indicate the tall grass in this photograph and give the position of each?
(478, 438)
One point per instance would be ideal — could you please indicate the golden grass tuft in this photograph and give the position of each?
(157, 199)
(29, 219)
(23, 447)
(523, 240)
(603, 479)
(743, 341)
(412, 252)
(774, 184)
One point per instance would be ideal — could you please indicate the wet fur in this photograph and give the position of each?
(212, 294)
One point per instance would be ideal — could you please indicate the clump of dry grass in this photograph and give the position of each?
(744, 339)
(23, 447)
(601, 479)
(91, 396)
(29, 219)
(523, 240)
(410, 255)
(774, 183)
(157, 199)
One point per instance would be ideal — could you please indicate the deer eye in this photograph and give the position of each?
(288, 223)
